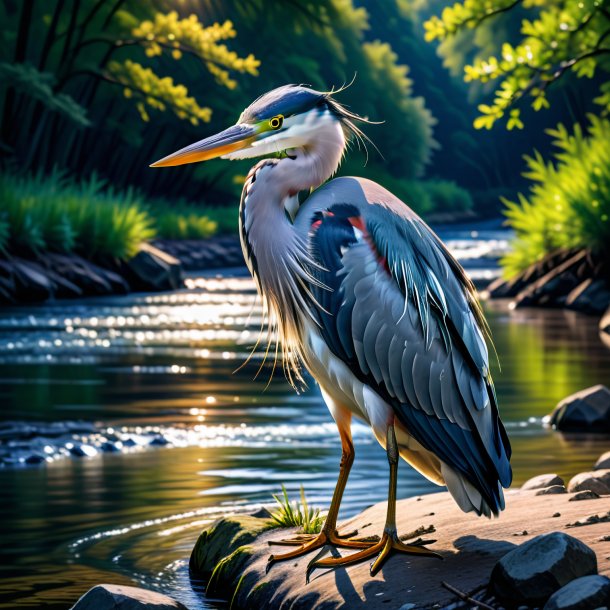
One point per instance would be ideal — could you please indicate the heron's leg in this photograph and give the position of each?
(328, 535)
(389, 541)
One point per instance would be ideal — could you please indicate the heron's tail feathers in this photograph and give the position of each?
(468, 498)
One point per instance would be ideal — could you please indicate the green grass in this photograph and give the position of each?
(41, 213)
(295, 514)
(568, 205)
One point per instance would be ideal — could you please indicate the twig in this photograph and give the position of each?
(465, 597)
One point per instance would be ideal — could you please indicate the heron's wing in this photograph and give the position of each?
(399, 310)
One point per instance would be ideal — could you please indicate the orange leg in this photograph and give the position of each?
(389, 541)
(328, 535)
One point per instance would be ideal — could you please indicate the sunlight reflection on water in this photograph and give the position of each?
(145, 367)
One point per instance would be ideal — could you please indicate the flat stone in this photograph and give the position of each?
(542, 481)
(120, 597)
(583, 593)
(597, 481)
(603, 462)
(553, 489)
(533, 571)
(584, 411)
(587, 494)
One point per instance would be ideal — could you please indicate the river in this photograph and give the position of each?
(158, 378)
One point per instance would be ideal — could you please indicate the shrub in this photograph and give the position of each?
(58, 214)
(569, 203)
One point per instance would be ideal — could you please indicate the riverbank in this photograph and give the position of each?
(233, 553)
(158, 266)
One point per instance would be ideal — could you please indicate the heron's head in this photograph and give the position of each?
(284, 119)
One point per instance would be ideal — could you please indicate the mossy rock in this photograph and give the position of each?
(218, 544)
(228, 572)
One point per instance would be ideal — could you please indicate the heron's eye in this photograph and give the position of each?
(276, 122)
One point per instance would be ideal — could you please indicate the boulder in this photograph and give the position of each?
(603, 462)
(533, 571)
(584, 593)
(590, 297)
(597, 481)
(542, 481)
(584, 411)
(153, 269)
(120, 597)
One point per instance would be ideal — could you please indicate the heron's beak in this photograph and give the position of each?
(234, 138)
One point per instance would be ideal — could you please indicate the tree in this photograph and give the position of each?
(557, 38)
(68, 64)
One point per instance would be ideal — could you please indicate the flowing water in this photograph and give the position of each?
(153, 380)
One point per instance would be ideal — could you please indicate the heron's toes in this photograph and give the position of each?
(380, 550)
(310, 542)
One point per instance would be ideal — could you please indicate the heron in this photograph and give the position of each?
(364, 296)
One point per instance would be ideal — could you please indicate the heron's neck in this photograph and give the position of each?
(276, 255)
(269, 198)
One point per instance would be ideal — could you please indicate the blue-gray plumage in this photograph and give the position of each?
(366, 297)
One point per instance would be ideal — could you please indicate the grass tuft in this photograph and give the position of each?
(295, 514)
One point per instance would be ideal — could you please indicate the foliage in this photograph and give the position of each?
(295, 514)
(67, 66)
(39, 86)
(184, 223)
(558, 37)
(569, 202)
(55, 213)
(157, 93)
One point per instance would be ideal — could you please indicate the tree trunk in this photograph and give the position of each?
(20, 55)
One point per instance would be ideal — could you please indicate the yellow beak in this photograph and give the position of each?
(234, 138)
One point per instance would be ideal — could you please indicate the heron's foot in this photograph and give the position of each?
(306, 543)
(381, 550)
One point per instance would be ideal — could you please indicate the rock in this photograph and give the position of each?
(120, 597)
(590, 297)
(587, 494)
(160, 441)
(31, 283)
(89, 278)
(83, 451)
(533, 571)
(597, 481)
(500, 288)
(222, 540)
(552, 289)
(35, 458)
(152, 268)
(109, 447)
(261, 513)
(584, 411)
(584, 593)
(553, 489)
(542, 481)
(603, 462)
